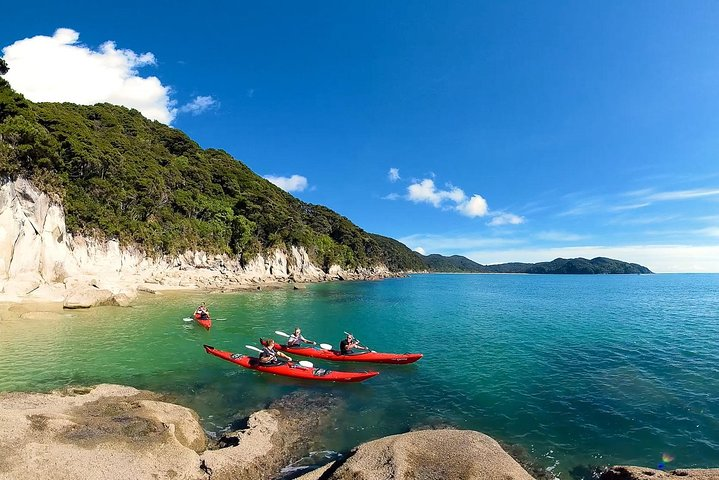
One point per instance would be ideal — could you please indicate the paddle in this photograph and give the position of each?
(283, 334)
(359, 344)
(301, 363)
(323, 346)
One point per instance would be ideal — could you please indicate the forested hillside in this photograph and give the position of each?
(120, 175)
(598, 265)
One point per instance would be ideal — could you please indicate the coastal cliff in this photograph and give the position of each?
(133, 191)
(40, 260)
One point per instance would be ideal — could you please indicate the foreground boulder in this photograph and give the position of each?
(640, 473)
(117, 432)
(425, 455)
(109, 431)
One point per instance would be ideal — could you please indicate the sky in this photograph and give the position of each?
(502, 131)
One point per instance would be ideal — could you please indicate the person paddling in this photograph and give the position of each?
(348, 344)
(296, 339)
(202, 312)
(268, 355)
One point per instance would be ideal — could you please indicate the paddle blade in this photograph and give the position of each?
(305, 363)
(281, 334)
(325, 346)
(253, 348)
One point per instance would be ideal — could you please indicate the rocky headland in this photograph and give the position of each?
(41, 261)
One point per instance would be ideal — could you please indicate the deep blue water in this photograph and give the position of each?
(579, 370)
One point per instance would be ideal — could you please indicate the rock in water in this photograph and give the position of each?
(640, 473)
(426, 455)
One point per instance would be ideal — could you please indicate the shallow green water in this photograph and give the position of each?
(580, 370)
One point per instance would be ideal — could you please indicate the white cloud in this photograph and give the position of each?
(426, 192)
(451, 244)
(474, 207)
(199, 105)
(60, 69)
(420, 250)
(584, 208)
(646, 220)
(393, 174)
(683, 194)
(454, 198)
(392, 196)
(295, 183)
(708, 232)
(634, 206)
(506, 219)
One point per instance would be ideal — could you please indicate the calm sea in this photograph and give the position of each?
(579, 370)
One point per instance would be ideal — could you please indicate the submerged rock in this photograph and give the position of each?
(274, 437)
(425, 455)
(640, 473)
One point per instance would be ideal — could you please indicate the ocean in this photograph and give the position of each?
(579, 371)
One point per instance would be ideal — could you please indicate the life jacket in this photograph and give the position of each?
(294, 341)
(268, 353)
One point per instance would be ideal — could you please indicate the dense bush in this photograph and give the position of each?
(120, 175)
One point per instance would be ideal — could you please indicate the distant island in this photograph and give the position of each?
(582, 266)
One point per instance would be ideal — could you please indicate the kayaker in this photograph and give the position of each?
(296, 339)
(349, 343)
(202, 312)
(268, 355)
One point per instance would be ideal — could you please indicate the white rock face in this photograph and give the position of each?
(40, 261)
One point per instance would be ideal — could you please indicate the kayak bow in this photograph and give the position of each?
(359, 356)
(290, 369)
(205, 322)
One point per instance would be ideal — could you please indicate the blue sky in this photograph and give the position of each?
(515, 130)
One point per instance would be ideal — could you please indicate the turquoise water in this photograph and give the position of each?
(579, 370)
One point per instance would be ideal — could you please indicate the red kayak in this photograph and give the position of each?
(205, 322)
(291, 369)
(358, 356)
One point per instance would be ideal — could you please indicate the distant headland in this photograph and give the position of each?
(576, 266)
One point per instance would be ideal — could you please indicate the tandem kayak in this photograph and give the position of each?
(290, 369)
(359, 356)
(205, 322)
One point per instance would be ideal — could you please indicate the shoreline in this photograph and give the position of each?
(143, 293)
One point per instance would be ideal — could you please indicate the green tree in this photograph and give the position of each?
(143, 183)
(3, 67)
